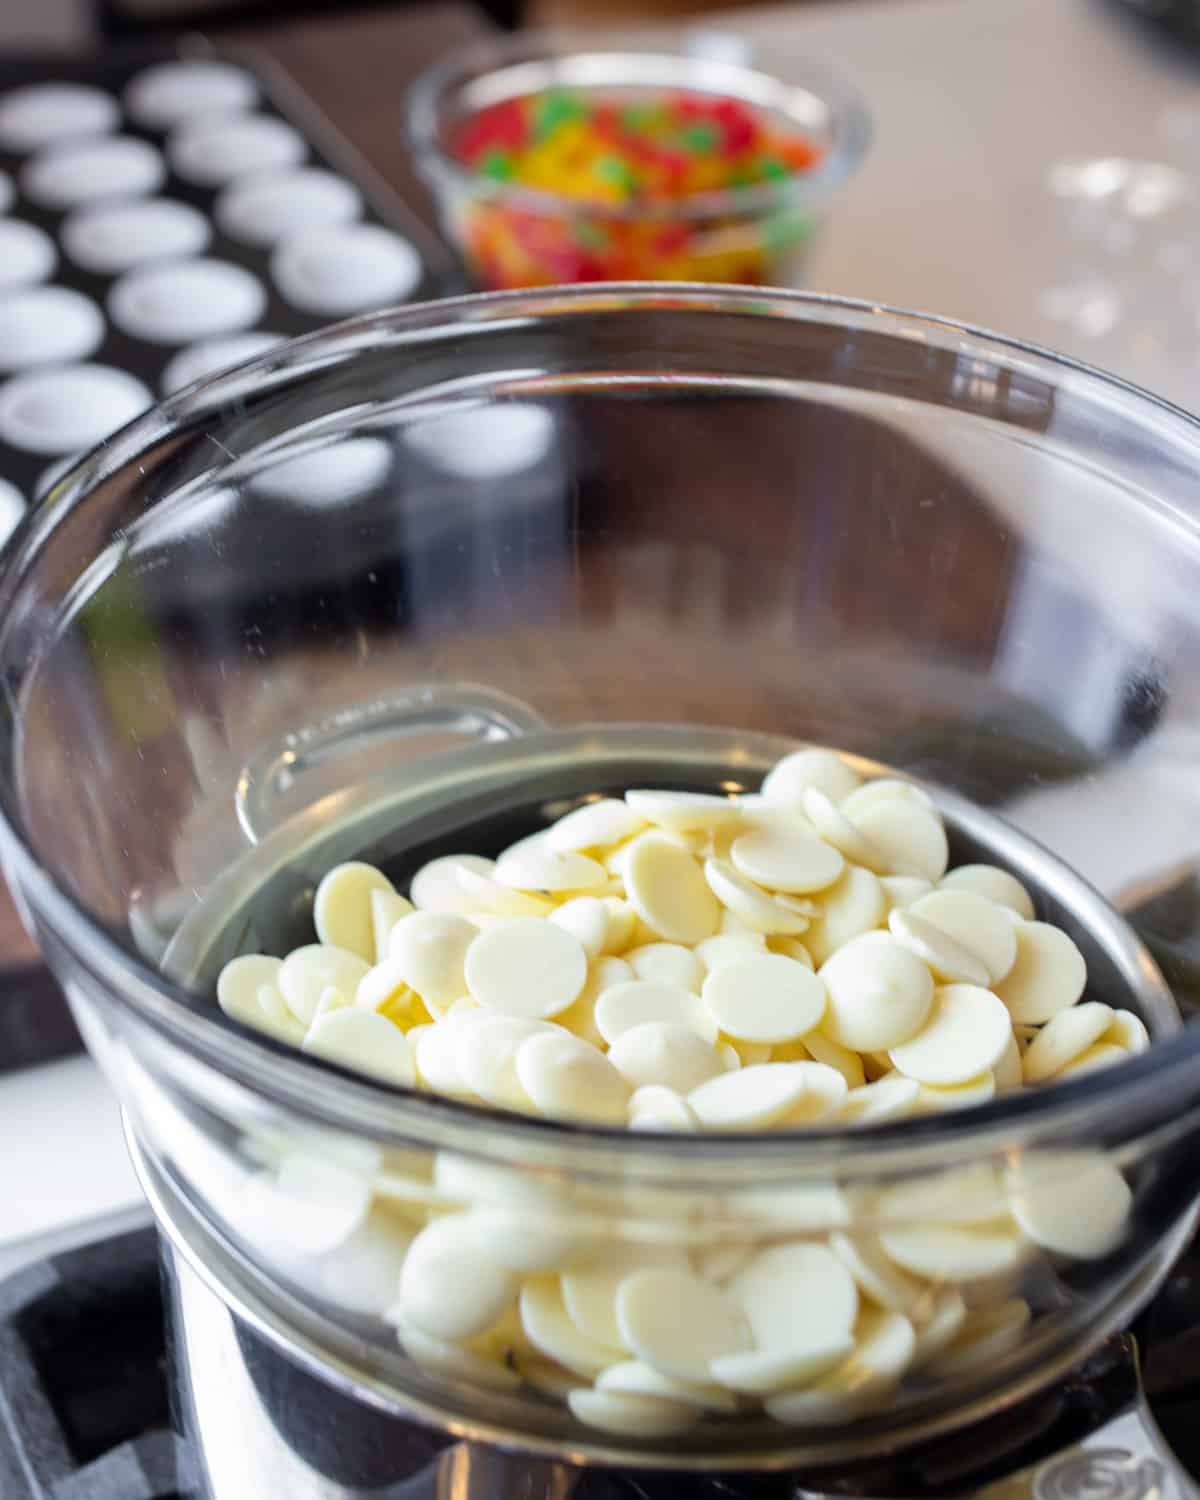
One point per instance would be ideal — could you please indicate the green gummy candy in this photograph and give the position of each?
(555, 109)
(497, 164)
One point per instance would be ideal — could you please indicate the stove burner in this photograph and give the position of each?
(85, 1414)
(83, 1391)
(1100, 1474)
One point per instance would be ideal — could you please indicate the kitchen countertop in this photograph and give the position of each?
(971, 202)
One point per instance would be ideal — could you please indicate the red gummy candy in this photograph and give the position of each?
(738, 126)
(500, 127)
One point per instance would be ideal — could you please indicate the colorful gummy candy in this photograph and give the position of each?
(618, 167)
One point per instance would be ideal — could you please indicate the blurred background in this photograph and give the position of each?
(68, 22)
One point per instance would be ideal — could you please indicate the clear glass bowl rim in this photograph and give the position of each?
(426, 93)
(1157, 1087)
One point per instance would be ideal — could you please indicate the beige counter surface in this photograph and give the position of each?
(963, 206)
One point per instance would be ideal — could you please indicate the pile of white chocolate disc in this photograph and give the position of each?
(679, 962)
(690, 962)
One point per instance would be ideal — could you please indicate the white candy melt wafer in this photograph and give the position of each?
(528, 1236)
(486, 1058)
(536, 867)
(945, 958)
(240, 981)
(526, 968)
(995, 884)
(580, 1016)
(436, 887)
(713, 952)
(311, 1205)
(788, 780)
(854, 904)
(965, 1195)
(836, 828)
(891, 1098)
(668, 963)
(364, 1041)
(567, 1078)
(965, 1033)
(450, 1287)
(487, 895)
(1102, 1055)
(548, 1327)
(595, 825)
(307, 972)
(767, 998)
(903, 890)
(733, 926)
(1127, 1031)
(1047, 976)
(879, 993)
(655, 1107)
(436, 1056)
(1065, 1037)
(756, 1097)
(878, 1276)
(632, 1416)
(625, 1006)
(590, 1298)
(659, 1052)
(678, 1323)
(387, 907)
(622, 924)
(909, 836)
(590, 1292)
(428, 951)
(1072, 1202)
(587, 918)
(667, 889)
(752, 905)
(632, 1377)
(683, 812)
(942, 1326)
(935, 1099)
(983, 928)
(762, 1373)
(884, 1349)
(944, 1252)
(383, 985)
(790, 947)
(841, 1059)
(799, 1300)
(786, 859)
(884, 789)
(362, 1273)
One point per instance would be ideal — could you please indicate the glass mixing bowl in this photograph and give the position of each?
(510, 235)
(419, 582)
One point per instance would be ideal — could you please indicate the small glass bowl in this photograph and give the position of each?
(512, 236)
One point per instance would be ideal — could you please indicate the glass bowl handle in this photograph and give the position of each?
(476, 714)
